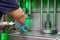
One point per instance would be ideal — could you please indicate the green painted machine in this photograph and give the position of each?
(4, 32)
(8, 27)
(48, 19)
(27, 5)
(4, 36)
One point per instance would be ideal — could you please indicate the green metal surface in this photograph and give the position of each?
(25, 5)
(34, 4)
(29, 21)
(48, 15)
(22, 4)
(50, 25)
(4, 36)
(9, 18)
(41, 17)
(55, 14)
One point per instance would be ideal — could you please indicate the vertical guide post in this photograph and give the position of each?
(48, 15)
(55, 15)
(41, 14)
(24, 6)
(29, 7)
(47, 6)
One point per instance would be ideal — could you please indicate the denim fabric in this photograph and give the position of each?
(7, 6)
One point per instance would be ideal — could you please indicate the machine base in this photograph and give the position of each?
(49, 31)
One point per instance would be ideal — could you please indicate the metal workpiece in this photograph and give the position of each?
(6, 27)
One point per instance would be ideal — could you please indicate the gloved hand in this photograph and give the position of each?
(24, 28)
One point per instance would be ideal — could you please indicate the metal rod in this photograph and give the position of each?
(48, 14)
(24, 6)
(41, 15)
(29, 7)
(48, 22)
(55, 14)
(47, 6)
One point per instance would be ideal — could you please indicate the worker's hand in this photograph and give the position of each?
(24, 28)
(27, 27)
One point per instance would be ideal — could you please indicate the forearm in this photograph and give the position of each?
(18, 15)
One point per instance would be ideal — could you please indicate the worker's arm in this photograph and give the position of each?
(18, 14)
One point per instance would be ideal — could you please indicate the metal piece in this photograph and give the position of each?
(41, 14)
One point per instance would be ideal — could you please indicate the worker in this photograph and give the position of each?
(12, 7)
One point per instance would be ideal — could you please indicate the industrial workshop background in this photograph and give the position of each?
(43, 17)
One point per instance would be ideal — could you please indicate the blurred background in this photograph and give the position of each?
(35, 13)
